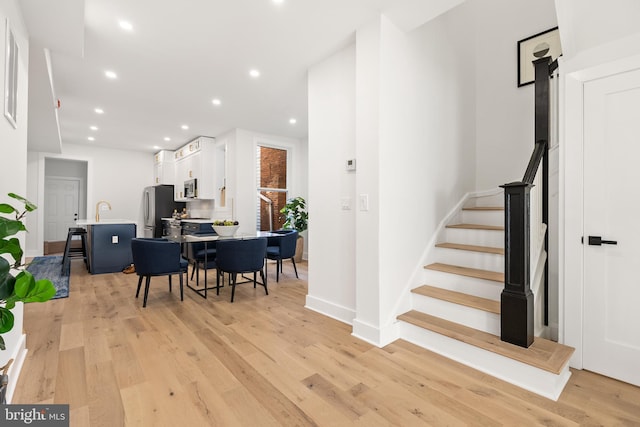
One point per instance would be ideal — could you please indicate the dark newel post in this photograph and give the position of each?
(516, 300)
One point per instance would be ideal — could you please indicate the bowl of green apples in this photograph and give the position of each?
(225, 228)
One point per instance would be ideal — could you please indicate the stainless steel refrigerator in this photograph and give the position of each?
(158, 203)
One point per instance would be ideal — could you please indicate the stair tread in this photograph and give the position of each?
(473, 248)
(543, 354)
(460, 298)
(483, 208)
(466, 271)
(477, 227)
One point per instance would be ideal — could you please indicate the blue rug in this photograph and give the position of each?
(50, 267)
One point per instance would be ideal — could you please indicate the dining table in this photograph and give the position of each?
(186, 239)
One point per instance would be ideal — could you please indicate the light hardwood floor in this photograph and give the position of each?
(265, 361)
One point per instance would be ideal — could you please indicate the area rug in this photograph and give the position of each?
(50, 267)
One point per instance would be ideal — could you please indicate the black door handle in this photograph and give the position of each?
(597, 241)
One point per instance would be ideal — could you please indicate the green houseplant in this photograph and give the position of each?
(296, 217)
(21, 287)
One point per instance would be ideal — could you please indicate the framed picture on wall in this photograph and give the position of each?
(11, 77)
(549, 39)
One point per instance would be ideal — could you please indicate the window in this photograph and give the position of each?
(272, 186)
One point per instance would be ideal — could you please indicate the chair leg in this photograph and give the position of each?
(181, 288)
(264, 282)
(146, 291)
(254, 280)
(169, 283)
(139, 285)
(233, 285)
(294, 267)
(278, 267)
(218, 274)
(193, 270)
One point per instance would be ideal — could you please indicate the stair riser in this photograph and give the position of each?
(493, 200)
(468, 285)
(483, 217)
(474, 237)
(481, 260)
(525, 376)
(468, 316)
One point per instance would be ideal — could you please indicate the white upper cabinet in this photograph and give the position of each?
(196, 160)
(163, 168)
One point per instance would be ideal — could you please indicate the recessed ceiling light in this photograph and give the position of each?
(156, 147)
(110, 74)
(184, 127)
(216, 101)
(93, 127)
(278, 1)
(125, 25)
(293, 121)
(254, 73)
(99, 110)
(166, 138)
(91, 138)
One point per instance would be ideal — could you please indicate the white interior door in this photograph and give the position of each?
(611, 324)
(61, 207)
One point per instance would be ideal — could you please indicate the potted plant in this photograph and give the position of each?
(296, 217)
(16, 284)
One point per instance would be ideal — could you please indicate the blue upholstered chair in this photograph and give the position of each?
(157, 257)
(198, 255)
(235, 256)
(282, 247)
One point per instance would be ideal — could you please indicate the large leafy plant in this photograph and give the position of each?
(295, 214)
(22, 286)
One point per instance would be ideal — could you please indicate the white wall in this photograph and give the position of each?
(410, 100)
(332, 229)
(504, 122)
(13, 173)
(117, 176)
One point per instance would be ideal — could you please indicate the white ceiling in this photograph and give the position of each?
(182, 54)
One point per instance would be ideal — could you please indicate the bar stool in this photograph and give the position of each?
(70, 252)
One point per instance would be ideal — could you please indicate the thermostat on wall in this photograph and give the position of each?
(351, 164)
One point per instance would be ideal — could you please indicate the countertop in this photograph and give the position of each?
(194, 220)
(83, 222)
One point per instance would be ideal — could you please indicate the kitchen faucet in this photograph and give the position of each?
(98, 208)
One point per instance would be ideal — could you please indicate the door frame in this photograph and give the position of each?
(571, 200)
(39, 244)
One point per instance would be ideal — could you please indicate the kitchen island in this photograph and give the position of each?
(109, 244)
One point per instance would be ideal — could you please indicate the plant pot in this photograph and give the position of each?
(299, 249)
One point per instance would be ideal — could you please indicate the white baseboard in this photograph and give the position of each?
(335, 311)
(374, 335)
(19, 355)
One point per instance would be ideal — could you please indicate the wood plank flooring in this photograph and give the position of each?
(265, 361)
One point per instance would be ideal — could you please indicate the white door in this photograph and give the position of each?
(60, 207)
(611, 321)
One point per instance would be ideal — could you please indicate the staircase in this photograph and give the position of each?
(456, 312)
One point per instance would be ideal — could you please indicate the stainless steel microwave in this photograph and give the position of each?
(191, 188)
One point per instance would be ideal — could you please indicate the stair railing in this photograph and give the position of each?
(517, 300)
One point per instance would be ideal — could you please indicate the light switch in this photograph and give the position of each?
(114, 239)
(364, 202)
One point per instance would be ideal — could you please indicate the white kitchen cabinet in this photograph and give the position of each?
(163, 168)
(196, 160)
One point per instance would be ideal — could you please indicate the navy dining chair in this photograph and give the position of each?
(198, 252)
(239, 256)
(282, 247)
(157, 257)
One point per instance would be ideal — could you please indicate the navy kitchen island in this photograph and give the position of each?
(109, 244)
